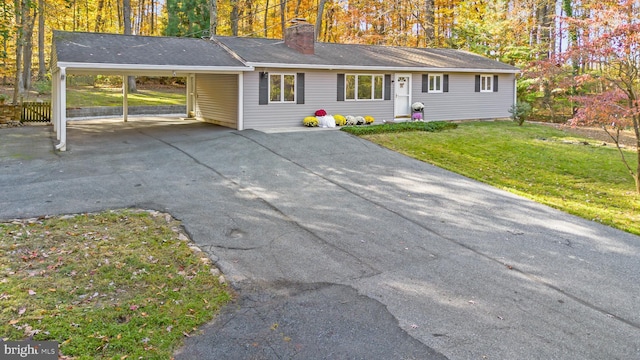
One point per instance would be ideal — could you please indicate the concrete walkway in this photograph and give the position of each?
(342, 249)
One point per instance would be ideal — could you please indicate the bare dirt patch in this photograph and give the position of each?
(598, 135)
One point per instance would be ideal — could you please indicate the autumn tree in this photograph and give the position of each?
(611, 92)
(25, 11)
(126, 14)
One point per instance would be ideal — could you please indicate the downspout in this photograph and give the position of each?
(515, 89)
(61, 110)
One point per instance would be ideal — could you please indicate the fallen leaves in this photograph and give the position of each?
(81, 275)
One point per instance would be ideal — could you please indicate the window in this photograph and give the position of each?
(486, 83)
(364, 87)
(282, 88)
(435, 83)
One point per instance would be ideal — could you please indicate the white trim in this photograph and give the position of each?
(441, 83)
(378, 68)
(486, 76)
(356, 84)
(282, 100)
(97, 67)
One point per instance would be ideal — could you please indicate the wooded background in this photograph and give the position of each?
(525, 33)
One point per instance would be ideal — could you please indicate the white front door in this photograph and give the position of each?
(402, 106)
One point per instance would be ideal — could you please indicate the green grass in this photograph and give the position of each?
(88, 96)
(535, 161)
(110, 285)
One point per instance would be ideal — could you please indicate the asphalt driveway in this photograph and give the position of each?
(341, 249)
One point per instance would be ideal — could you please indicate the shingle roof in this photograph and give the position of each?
(99, 48)
(273, 51)
(242, 52)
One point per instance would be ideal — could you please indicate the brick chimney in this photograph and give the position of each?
(300, 36)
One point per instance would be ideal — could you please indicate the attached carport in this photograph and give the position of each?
(112, 54)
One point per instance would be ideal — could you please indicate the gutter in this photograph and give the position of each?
(128, 68)
(381, 68)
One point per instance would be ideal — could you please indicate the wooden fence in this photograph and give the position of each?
(36, 111)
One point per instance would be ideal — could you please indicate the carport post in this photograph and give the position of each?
(60, 110)
(191, 82)
(125, 92)
(55, 80)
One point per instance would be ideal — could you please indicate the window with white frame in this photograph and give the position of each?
(486, 83)
(282, 88)
(435, 83)
(364, 87)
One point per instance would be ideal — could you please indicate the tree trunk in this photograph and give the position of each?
(42, 69)
(213, 17)
(24, 47)
(283, 13)
(234, 17)
(429, 17)
(266, 18)
(126, 9)
(98, 26)
(319, 18)
(17, 86)
(27, 53)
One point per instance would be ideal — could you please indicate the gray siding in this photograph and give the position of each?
(217, 99)
(462, 102)
(320, 93)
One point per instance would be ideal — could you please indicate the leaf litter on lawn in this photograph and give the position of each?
(105, 285)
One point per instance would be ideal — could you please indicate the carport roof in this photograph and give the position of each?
(125, 53)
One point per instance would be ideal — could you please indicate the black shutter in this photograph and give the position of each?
(495, 83)
(445, 83)
(387, 87)
(300, 88)
(477, 83)
(263, 88)
(425, 83)
(340, 87)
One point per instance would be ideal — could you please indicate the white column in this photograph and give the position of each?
(191, 104)
(240, 101)
(62, 113)
(125, 101)
(55, 80)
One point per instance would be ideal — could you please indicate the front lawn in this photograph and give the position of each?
(120, 284)
(576, 175)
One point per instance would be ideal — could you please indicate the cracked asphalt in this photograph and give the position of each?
(341, 249)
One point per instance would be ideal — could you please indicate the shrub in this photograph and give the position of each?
(431, 126)
(42, 86)
(359, 120)
(369, 119)
(340, 120)
(310, 121)
(351, 120)
(520, 111)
